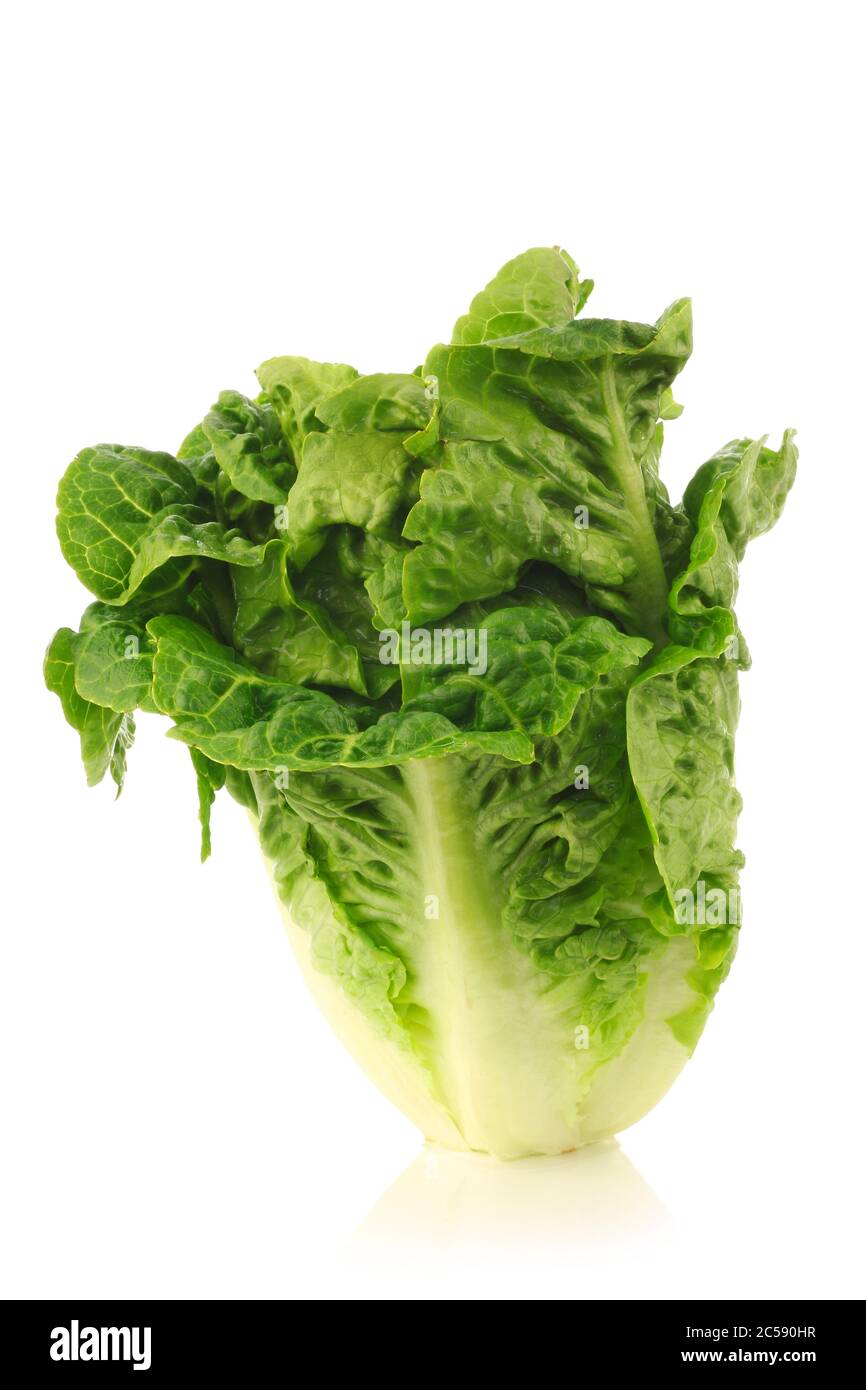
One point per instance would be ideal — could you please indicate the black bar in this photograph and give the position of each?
(239, 1339)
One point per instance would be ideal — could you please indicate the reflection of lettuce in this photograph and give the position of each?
(483, 863)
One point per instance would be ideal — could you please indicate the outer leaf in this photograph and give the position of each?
(539, 289)
(105, 734)
(236, 715)
(124, 512)
(682, 716)
(756, 482)
(537, 665)
(736, 495)
(209, 778)
(346, 942)
(535, 427)
(113, 656)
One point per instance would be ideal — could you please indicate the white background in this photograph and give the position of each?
(196, 188)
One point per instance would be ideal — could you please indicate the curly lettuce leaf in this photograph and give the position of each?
(285, 633)
(539, 289)
(105, 734)
(235, 714)
(734, 497)
(249, 446)
(544, 433)
(124, 512)
(296, 387)
(365, 479)
(683, 708)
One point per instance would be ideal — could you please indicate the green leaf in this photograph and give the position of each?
(539, 289)
(535, 428)
(296, 387)
(287, 634)
(351, 571)
(736, 495)
(124, 512)
(364, 479)
(113, 656)
(210, 777)
(523, 668)
(384, 401)
(683, 709)
(682, 716)
(250, 448)
(346, 941)
(105, 734)
(236, 715)
(756, 480)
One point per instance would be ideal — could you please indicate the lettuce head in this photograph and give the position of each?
(474, 677)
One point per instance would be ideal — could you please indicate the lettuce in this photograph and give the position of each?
(475, 678)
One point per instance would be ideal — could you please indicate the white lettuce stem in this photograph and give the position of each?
(503, 1056)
